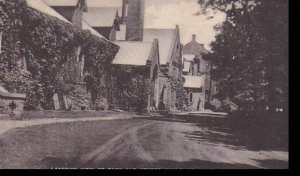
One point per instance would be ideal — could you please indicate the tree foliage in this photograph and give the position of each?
(251, 52)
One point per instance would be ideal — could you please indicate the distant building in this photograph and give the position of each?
(196, 64)
(194, 86)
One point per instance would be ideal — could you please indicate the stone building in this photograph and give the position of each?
(122, 22)
(194, 86)
(130, 27)
(196, 64)
(143, 55)
(170, 63)
(70, 12)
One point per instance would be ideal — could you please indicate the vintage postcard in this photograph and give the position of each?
(143, 84)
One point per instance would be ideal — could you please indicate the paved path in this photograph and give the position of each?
(165, 141)
(131, 143)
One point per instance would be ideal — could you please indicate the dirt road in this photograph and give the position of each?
(132, 143)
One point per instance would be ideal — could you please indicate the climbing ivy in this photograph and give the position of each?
(181, 95)
(129, 87)
(46, 44)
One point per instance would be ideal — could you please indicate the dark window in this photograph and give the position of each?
(191, 96)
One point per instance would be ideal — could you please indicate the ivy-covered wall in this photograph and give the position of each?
(36, 49)
(130, 87)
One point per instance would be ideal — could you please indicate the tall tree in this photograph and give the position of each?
(251, 52)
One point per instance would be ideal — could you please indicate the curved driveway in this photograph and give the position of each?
(131, 143)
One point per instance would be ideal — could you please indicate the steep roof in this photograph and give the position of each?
(86, 26)
(133, 53)
(193, 81)
(100, 17)
(105, 3)
(194, 48)
(90, 3)
(43, 7)
(61, 2)
(166, 41)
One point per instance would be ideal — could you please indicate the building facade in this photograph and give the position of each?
(195, 64)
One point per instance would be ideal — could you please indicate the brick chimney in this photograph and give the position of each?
(135, 20)
(124, 11)
(194, 38)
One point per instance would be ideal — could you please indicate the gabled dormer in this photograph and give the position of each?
(71, 10)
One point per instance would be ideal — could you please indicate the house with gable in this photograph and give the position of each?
(103, 18)
(171, 63)
(142, 56)
(195, 64)
(122, 21)
(71, 12)
(117, 21)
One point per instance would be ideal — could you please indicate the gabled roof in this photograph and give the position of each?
(43, 7)
(194, 48)
(166, 41)
(105, 3)
(193, 81)
(61, 2)
(90, 3)
(86, 26)
(133, 53)
(100, 17)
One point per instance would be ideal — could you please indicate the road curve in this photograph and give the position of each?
(127, 143)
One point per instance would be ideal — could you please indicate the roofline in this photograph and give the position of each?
(159, 28)
(101, 7)
(154, 43)
(125, 41)
(176, 33)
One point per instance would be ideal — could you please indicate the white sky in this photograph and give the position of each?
(168, 13)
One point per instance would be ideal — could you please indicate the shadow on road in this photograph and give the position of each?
(226, 131)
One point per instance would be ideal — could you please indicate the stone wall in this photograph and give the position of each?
(5, 104)
(197, 102)
(174, 71)
(154, 76)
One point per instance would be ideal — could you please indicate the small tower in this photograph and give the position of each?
(135, 20)
(81, 7)
(124, 11)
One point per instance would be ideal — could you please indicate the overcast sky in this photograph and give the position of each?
(168, 13)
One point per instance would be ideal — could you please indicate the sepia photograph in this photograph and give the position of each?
(144, 84)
